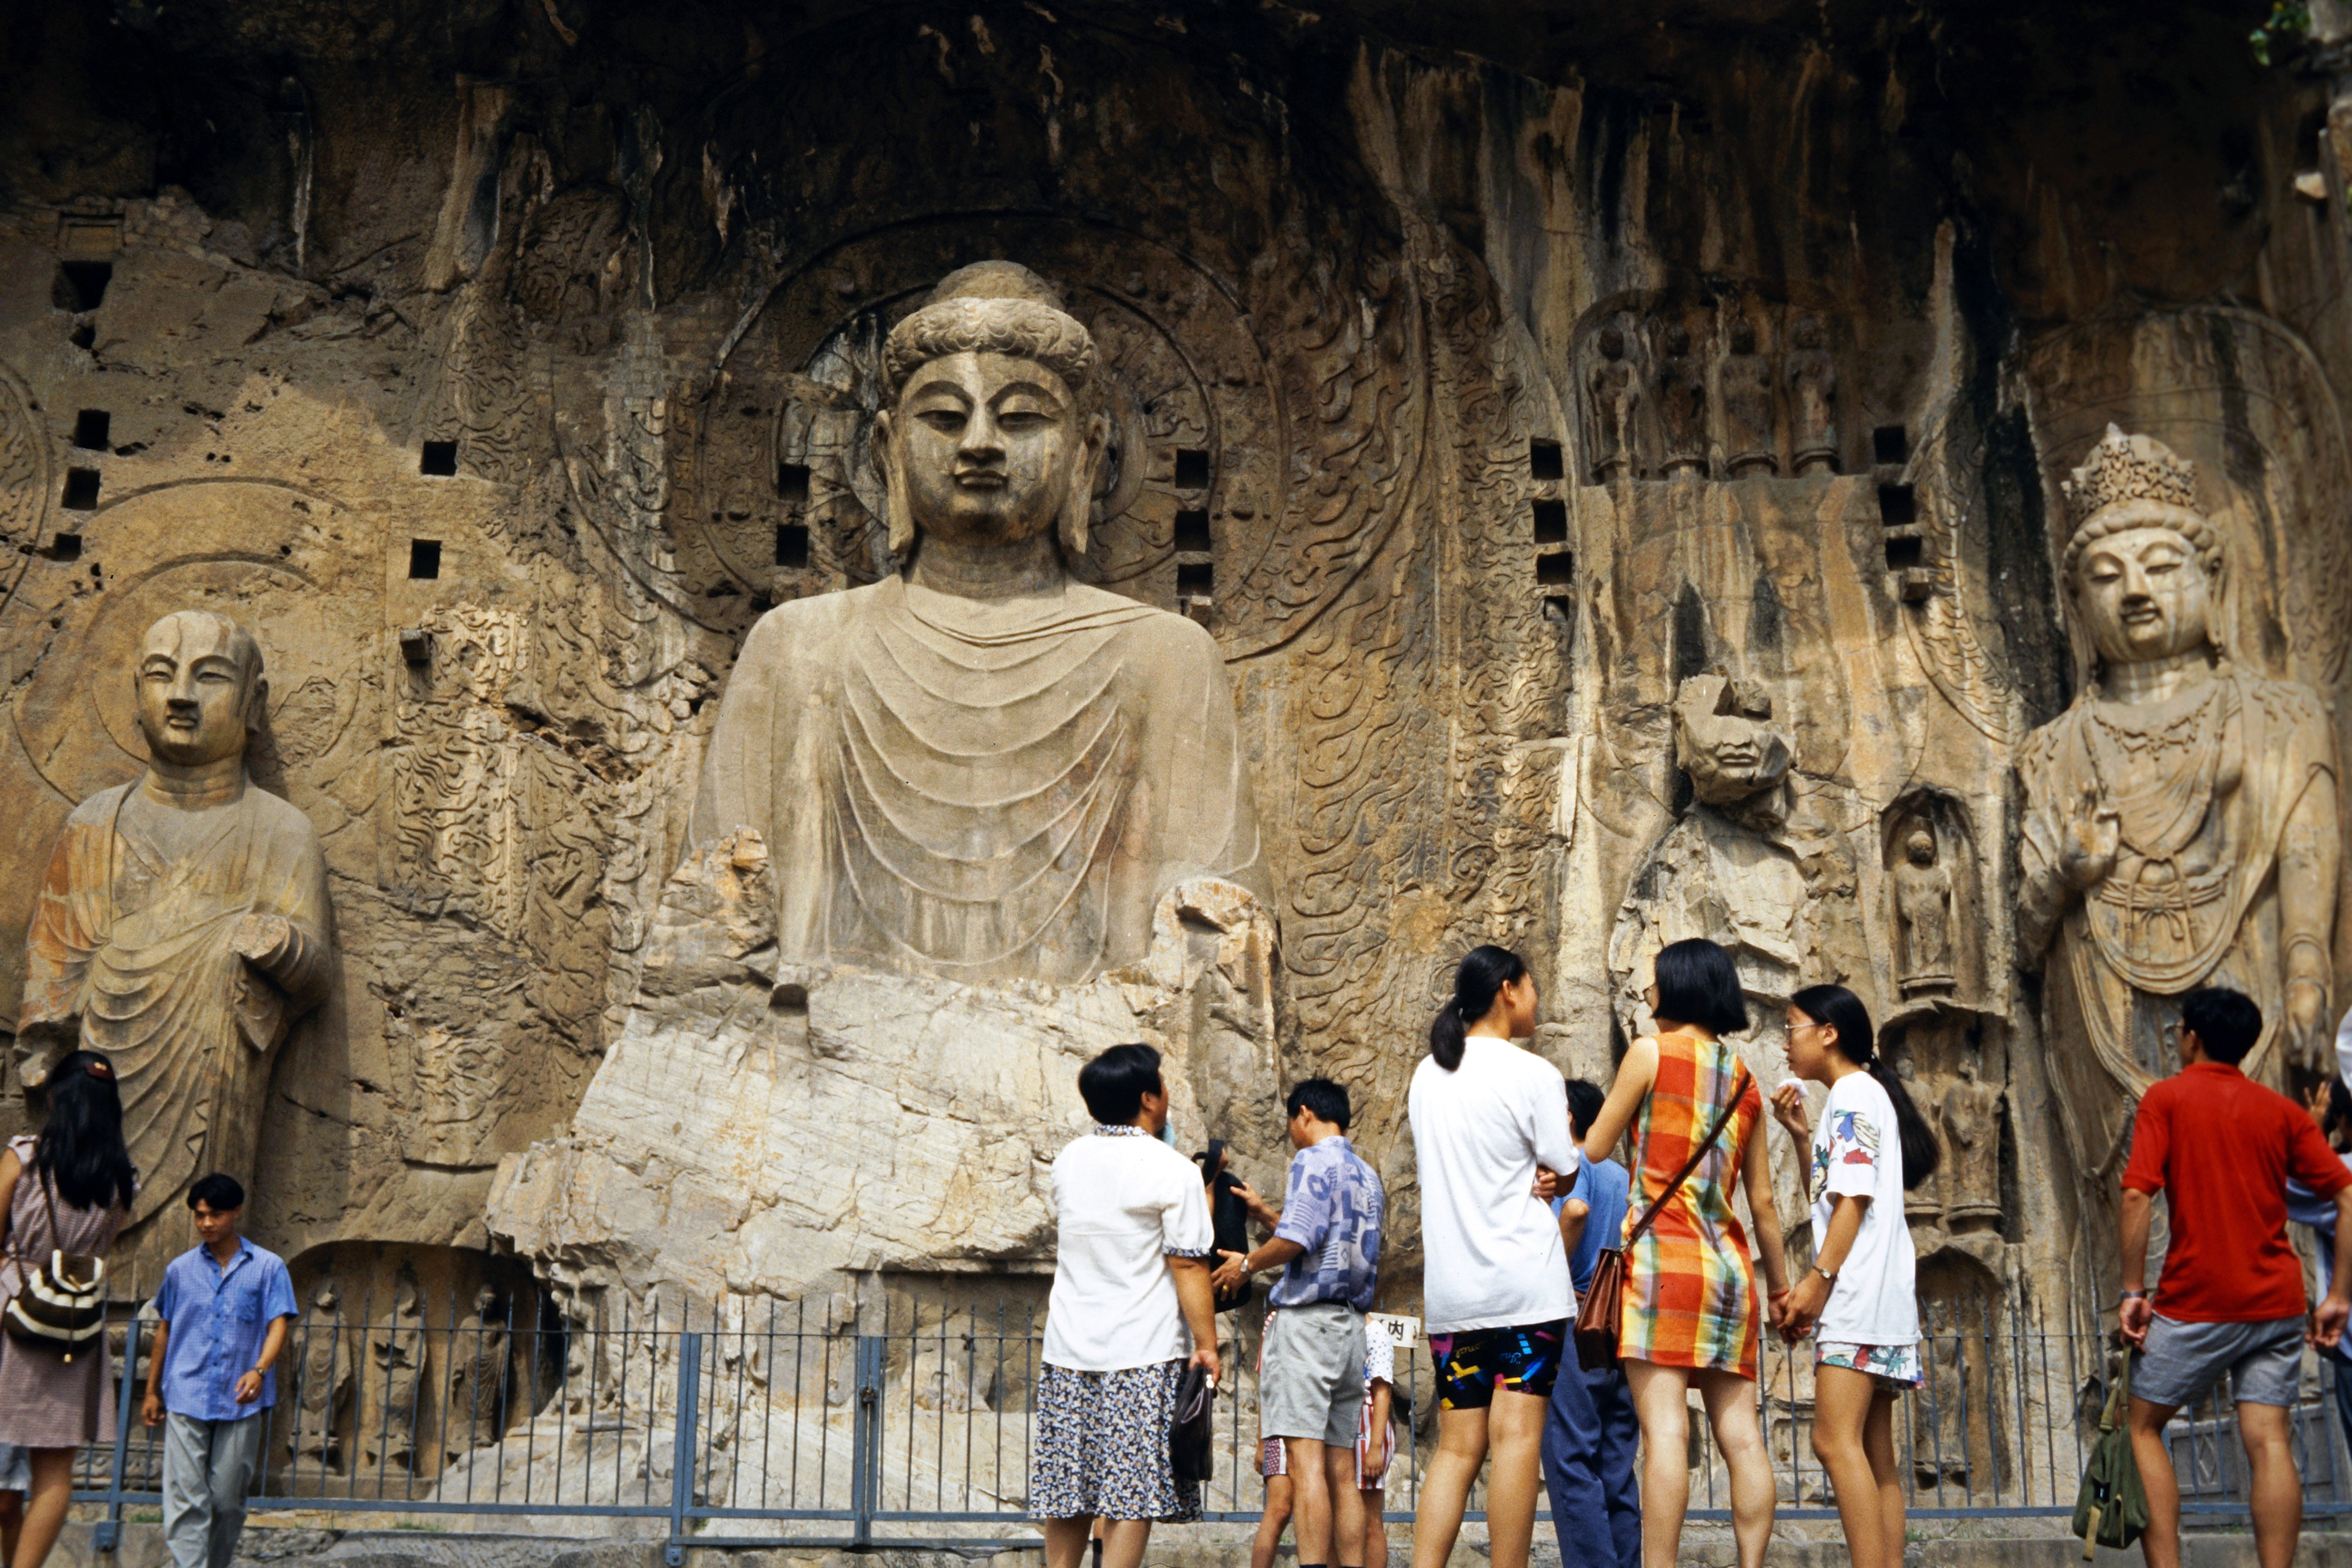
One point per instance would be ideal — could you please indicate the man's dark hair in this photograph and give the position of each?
(2226, 1022)
(217, 1192)
(1327, 1099)
(1113, 1085)
(1585, 1099)
(1699, 984)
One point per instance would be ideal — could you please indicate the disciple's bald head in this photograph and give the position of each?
(200, 688)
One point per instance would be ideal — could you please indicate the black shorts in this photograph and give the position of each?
(1472, 1363)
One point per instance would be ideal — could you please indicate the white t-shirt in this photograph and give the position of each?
(1856, 1152)
(1123, 1201)
(1491, 1251)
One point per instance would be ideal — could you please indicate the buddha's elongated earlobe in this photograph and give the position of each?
(897, 515)
(1077, 507)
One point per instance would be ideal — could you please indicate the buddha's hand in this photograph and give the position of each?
(2089, 840)
(265, 941)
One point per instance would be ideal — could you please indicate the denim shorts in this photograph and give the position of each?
(2181, 1361)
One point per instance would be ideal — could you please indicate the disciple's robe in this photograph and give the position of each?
(130, 949)
(981, 789)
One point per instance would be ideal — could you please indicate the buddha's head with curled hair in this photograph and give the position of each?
(989, 438)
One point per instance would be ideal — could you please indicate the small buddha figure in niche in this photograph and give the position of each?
(1813, 398)
(1923, 913)
(979, 767)
(1682, 402)
(1972, 1139)
(183, 929)
(2180, 822)
(1615, 394)
(1747, 406)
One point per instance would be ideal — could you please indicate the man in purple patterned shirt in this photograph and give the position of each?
(1327, 1241)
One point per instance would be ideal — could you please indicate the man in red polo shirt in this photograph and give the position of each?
(2222, 1147)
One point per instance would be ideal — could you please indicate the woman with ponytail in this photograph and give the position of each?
(1691, 1312)
(1858, 1298)
(1487, 1119)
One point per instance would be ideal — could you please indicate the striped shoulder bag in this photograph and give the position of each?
(61, 1305)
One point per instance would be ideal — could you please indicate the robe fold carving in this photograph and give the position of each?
(984, 790)
(132, 945)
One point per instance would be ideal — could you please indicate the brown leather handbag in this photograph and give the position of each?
(1600, 1316)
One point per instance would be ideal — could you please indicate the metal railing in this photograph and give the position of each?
(909, 1424)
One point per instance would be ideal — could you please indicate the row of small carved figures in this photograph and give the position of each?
(1654, 422)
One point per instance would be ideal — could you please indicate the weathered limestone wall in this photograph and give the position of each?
(1477, 377)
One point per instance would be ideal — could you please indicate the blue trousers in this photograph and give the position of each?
(1590, 1443)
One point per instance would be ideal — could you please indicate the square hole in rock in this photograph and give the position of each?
(90, 426)
(1551, 523)
(1889, 443)
(65, 547)
(440, 457)
(81, 489)
(80, 285)
(1557, 570)
(1196, 580)
(424, 559)
(1193, 531)
(1191, 468)
(793, 482)
(1898, 505)
(1543, 460)
(1904, 551)
(791, 543)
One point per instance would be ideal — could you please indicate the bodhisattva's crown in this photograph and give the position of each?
(2129, 467)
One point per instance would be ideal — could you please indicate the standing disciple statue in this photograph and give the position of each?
(182, 930)
(1813, 398)
(1747, 377)
(1616, 393)
(979, 767)
(2180, 827)
(1923, 913)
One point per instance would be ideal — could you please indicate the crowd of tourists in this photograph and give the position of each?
(1572, 1304)
(222, 1316)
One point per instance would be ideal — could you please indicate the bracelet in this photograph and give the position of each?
(1775, 1295)
(2135, 1295)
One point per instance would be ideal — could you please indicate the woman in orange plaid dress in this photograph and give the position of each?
(1690, 1316)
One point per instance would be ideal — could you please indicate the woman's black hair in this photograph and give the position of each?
(1483, 972)
(1842, 1010)
(80, 1146)
(1698, 983)
(2339, 1115)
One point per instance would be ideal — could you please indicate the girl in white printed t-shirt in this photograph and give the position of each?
(1858, 1299)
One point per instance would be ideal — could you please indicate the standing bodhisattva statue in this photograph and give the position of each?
(978, 767)
(2180, 824)
(182, 928)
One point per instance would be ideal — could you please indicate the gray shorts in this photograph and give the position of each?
(1312, 1384)
(2183, 1359)
(16, 1468)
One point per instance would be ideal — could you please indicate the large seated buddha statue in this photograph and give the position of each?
(980, 768)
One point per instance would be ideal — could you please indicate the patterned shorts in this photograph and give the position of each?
(1101, 1447)
(1896, 1368)
(1472, 1363)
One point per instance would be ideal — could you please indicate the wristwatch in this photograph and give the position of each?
(1825, 1274)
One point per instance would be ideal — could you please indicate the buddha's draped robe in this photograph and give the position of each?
(979, 789)
(2203, 786)
(130, 945)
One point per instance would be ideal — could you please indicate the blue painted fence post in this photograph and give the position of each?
(681, 1473)
(866, 1441)
(108, 1536)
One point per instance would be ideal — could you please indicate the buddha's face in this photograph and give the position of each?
(990, 448)
(1729, 755)
(197, 698)
(2143, 594)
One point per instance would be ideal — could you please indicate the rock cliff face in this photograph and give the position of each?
(1479, 376)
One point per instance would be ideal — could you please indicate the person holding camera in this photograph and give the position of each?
(1328, 1245)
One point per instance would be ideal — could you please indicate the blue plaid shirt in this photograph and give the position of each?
(1332, 1208)
(219, 1318)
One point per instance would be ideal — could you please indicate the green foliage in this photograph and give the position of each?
(2288, 19)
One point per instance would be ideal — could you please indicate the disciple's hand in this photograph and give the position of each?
(261, 938)
(1789, 1110)
(1229, 1275)
(2135, 1316)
